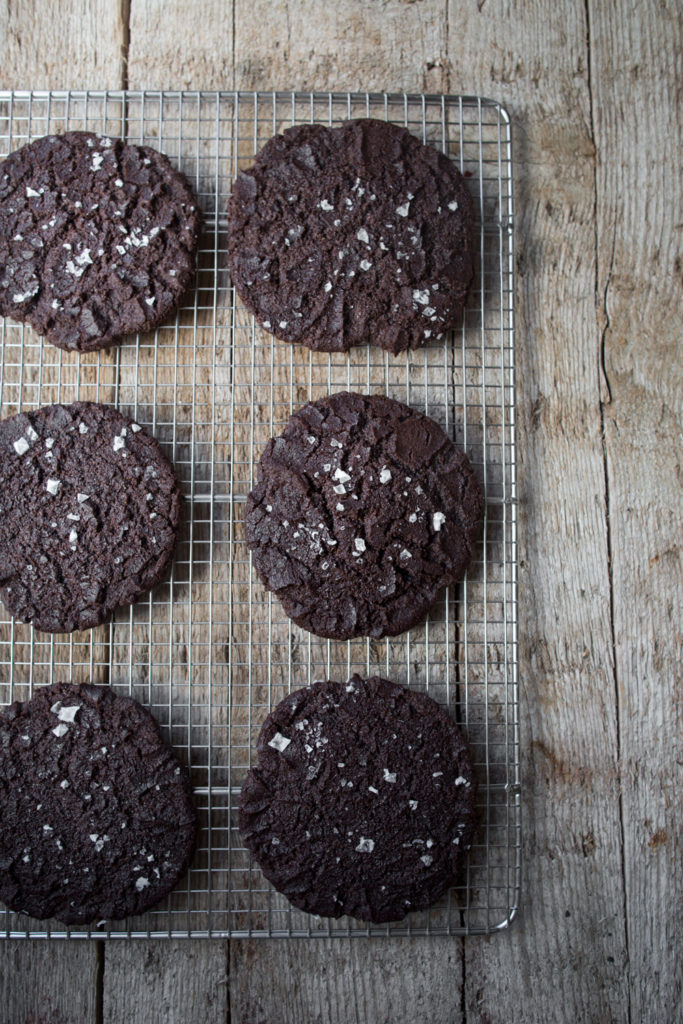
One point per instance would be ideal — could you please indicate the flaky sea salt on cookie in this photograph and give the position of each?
(352, 235)
(97, 238)
(362, 801)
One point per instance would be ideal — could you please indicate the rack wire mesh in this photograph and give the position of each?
(210, 652)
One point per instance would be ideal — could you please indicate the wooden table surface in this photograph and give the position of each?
(594, 88)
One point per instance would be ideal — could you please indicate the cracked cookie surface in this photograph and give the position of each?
(97, 815)
(363, 511)
(363, 799)
(352, 235)
(89, 513)
(97, 238)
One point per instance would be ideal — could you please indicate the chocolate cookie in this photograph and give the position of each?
(97, 238)
(342, 236)
(363, 800)
(89, 511)
(363, 511)
(96, 812)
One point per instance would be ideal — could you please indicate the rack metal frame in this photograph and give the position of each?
(210, 652)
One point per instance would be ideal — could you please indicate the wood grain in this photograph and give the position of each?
(176, 45)
(353, 45)
(564, 958)
(48, 984)
(79, 46)
(165, 982)
(362, 981)
(638, 115)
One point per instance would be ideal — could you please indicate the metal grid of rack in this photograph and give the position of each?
(210, 652)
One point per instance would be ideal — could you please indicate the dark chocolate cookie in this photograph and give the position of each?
(97, 238)
(363, 801)
(89, 511)
(97, 818)
(363, 511)
(342, 236)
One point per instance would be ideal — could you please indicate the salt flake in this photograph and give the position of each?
(279, 742)
(68, 714)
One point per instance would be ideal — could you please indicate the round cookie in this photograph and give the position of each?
(97, 818)
(363, 800)
(97, 238)
(363, 511)
(89, 513)
(343, 236)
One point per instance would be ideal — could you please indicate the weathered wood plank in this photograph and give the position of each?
(361, 981)
(176, 45)
(564, 958)
(48, 983)
(78, 46)
(638, 116)
(353, 45)
(167, 982)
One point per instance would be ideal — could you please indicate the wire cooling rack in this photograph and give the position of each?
(210, 652)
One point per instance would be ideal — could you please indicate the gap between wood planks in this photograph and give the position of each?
(99, 985)
(125, 41)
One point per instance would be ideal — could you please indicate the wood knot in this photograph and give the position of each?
(658, 838)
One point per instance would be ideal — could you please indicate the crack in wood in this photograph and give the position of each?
(608, 530)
